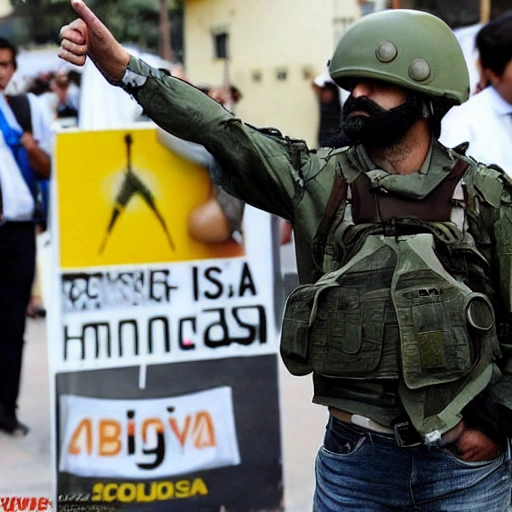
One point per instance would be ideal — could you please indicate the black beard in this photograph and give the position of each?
(381, 128)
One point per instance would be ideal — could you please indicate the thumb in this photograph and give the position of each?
(85, 13)
(101, 46)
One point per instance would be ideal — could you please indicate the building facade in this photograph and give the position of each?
(271, 50)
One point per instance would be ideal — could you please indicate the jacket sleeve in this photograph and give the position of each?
(491, 191)
(261, 167)
(494, 190)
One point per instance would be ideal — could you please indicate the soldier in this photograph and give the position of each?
(406, 332)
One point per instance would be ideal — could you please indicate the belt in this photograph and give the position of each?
(404, 433)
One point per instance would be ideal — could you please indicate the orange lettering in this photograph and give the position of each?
(180, 435)
(151, 421)
(204, 432)
(110, 432)
(83, 429)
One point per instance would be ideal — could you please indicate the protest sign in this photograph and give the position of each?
(162, 348)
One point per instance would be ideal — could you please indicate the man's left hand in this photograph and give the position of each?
(28, 142)
(474, 446)
(39, 160)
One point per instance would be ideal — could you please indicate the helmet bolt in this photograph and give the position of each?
(386, 51)
(419, 70)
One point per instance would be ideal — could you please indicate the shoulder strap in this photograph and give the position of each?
(459, 169)
(12, 139)
(20, 106)
(338, 193)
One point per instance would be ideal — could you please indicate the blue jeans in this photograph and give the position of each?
(362, 471)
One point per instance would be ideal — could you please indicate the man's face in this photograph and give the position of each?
(503, 82)
(379, 114)
(6, 67)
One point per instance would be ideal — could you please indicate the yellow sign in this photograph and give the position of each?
(123, 198)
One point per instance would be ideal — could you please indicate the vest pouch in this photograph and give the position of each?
(294, 348)
(445, 328)
(353, 323)
(335, 326)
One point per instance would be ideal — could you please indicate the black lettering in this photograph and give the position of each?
(158, 450)
(224, 339)
(131, 432)
(68, 338)
(81, 291)
(255, 330)
(124, 288)
(159, 286)
(217, 333)
(209, 274)
(135, 335)
(127, 279)
(165, 326)
(195, 283)
(186, 344)
(97, 330)
(246, 282)
(78, 288)
(93, 286)
(138, 285)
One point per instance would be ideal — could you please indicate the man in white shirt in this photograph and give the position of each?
(22, 162)
(485, 120)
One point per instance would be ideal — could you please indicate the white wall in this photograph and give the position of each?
(266, 36)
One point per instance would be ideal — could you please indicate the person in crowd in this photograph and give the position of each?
(485, 120)
(25, 141)
(57, 94)
(41, 84)
(403, 251)
(67, 93)
(329, 103)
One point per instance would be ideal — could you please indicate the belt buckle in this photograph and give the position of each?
(406, 435)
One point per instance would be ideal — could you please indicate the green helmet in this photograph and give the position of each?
(412, 49)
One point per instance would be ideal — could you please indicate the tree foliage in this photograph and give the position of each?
(131, 21)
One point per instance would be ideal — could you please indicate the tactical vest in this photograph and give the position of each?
(395, 261)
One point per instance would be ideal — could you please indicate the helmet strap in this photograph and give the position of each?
(427, 108)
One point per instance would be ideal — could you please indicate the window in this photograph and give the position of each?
(220, 44)
(307, 73)
(256, 76)
(281, 74)
(341, 25)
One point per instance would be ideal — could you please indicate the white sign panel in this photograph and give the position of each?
(147, 438)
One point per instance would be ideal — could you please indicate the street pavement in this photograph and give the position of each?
(26, 467)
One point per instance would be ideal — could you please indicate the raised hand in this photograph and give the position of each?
(88, 36)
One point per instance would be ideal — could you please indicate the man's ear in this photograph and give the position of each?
(490, 76)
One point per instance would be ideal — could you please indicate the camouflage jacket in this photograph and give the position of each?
(283, 176)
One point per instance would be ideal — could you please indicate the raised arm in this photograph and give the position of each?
(88, 36)
(262, 168)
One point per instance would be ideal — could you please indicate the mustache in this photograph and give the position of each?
(363, 104)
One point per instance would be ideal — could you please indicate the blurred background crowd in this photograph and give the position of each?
(266, 59)
(220, 43)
